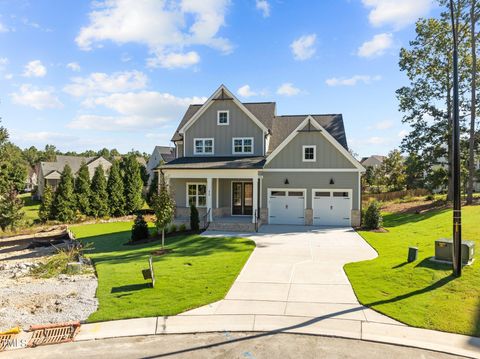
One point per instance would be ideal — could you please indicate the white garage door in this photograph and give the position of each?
(286, 206)
(332, 208)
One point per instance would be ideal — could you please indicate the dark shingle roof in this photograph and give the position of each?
(215, 163)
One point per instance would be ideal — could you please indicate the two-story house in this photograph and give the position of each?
(241, 163)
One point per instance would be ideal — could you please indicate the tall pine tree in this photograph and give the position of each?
(11, 213)
(152, 189)
(64, 208)
(99, 195)
(133, 184)
(116, 195)
(45, 210)
(82, 190)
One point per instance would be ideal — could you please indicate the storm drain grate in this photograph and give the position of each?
(53, 333)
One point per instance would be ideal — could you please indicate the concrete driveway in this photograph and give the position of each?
(298, 271)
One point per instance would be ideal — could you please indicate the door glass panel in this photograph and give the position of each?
(340, 194)
(322, 194)
(237, 194)
(278, 193)
(295, 194)
(248, 194)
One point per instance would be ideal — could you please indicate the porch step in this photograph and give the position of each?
(232, 226)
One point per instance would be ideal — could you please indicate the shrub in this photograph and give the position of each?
(172, 229)
(182, 228)
(430, 197)
(139, 229)
(373, 218)
(194, 218)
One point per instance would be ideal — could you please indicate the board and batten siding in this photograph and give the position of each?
(309, 181)
(327, 156)
(240, 125)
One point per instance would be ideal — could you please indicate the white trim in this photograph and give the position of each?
(242, 138)
(325, 133)
(209, 102)
(196, 200)
(331, 190)
(209, 198)
(216, 192)
(310, 170)
(286, 190)
(213, 173)
(218, 117)
(243, 181)
(304, 147)
(203, 139)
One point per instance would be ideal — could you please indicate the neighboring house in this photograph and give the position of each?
(240, 163)
(160, 154)
(31, 181)
(50, 172)
(374, 161)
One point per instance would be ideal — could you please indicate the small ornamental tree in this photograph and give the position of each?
(11, 213)
(164, 208)
(99, 195)
(139, 229)
(133, 184)
(45, 210)
(194, 218)
(82, 190)
(116, 195)
(64, 208)
(373, 218)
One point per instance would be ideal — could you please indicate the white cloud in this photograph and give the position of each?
(376, 46)
(98, 83)
(287, 89)
(3, 28)
(138, 110)
(8, 76)
(376, 140)
(74, 66)
(246, 91)
(351, 81)
(264, 7)
(46, 136)
(396, 13)
(174, 60)
(35, 68)
(37, 98)
(303, 48)
(163, 26)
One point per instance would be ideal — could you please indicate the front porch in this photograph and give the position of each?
(225, 201)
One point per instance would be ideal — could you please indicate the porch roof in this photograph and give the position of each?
(213, 162)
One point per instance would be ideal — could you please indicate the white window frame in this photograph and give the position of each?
(218, 117)
(243, 152)
(314, 153)
(203, 145)
(196, 195)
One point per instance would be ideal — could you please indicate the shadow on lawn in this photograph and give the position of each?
(107, 247)
(130, 288)
(398, 219)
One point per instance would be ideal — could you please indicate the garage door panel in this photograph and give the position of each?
(332, 207)
(286, 207)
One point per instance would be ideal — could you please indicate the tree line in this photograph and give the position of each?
(118, 194)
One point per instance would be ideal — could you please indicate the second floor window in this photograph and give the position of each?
(243, 145)
(203, 146)
(309, 153)
(222, 118)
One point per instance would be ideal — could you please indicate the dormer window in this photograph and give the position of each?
(223, 118)
(309, 153)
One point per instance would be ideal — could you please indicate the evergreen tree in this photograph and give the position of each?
(82, 189)
(64, 208)
(164, 207)
(133, 185)
(152, 189)
(45, 210)
(116, 195)
(11, 213)
(99, 195)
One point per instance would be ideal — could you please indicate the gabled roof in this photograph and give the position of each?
(73, 161)
(167, 153)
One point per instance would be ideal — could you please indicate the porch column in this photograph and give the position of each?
(255, 198)
(209, 198)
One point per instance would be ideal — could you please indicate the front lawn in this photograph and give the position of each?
(422, 293)
(199, 271)
(30, 207)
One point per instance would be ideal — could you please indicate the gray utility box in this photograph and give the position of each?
(444, 250)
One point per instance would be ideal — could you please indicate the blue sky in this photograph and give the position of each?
(120, 73)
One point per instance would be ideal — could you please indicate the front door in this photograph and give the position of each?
(242, 198)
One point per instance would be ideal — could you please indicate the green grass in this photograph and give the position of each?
(422, 293)
(199, 271)
(30, 207)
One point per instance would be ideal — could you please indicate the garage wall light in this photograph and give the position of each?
(332, 181)
(286, 181)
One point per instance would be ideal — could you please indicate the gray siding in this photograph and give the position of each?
(327, 156)
(309, 181)
(240, 126)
